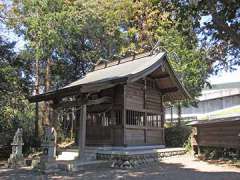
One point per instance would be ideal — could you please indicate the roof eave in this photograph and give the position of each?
(180, 85)
(76, 90)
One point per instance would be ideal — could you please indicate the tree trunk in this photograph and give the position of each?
(36, 93)
(47, 88)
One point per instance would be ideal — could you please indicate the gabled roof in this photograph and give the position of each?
(127, 70)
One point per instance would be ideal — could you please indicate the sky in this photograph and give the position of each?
(222, 76)
(225, 77)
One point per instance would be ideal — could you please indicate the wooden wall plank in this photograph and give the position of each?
(225, 134)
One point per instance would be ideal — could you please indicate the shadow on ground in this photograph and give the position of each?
(163, 171)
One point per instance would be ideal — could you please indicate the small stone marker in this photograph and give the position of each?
(16, 158)
(49, 141)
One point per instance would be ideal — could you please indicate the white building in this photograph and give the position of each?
(220, 100)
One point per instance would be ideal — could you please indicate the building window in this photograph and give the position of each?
(135, 118)
(153, 120)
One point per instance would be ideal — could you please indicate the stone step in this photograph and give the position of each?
(77, 165)
(67, 156)
(72, 154)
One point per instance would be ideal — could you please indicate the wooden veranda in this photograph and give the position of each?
(120, 103)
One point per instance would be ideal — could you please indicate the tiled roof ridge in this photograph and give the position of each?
(109, 63)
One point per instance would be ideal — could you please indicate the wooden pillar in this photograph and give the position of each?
(124, 115)
(179, 109)
(72, 119)
(82, 131)
(77, 126)
(162, 119)
(162, 113)
(171, 115)
(114, 123)
(145, 114)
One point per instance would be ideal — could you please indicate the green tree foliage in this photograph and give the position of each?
(76, 33)
(15, 110)
(72, 33)
(217, 24)
(161, 21)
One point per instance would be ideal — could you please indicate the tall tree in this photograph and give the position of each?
(66, 37)
(154, 21)
(15, 111)
(217, 24)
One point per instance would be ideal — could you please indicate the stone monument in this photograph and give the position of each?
(48, 144)
(16, 158)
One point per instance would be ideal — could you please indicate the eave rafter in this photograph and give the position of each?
(169, 90)
(75, 103)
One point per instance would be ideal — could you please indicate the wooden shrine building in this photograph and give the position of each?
(120, 103)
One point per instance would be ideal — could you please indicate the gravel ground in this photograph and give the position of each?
(175, 168)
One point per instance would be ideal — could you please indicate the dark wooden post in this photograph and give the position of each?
(82, 131)
(124, 115)
(77, 126)
(162, 118)
(171, 115)
(72, 119)
(162, 113)
(179, 109)
(145, 113)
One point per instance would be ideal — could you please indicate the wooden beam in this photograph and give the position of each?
(101, 100)
(161, 76)
(98, 109)
(82, 132)
(169, 90)
(68, 104)
(77, 90)
(57, 94)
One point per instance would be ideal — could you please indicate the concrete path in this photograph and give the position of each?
(175, 168)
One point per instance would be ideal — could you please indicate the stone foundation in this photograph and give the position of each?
(130, 159)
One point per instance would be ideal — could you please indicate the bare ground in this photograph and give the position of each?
(175, 168)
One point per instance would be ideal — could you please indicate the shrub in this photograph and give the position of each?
(212, 153)
(177, 136)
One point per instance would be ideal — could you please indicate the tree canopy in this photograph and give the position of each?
(217, 24)
(68, 36)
